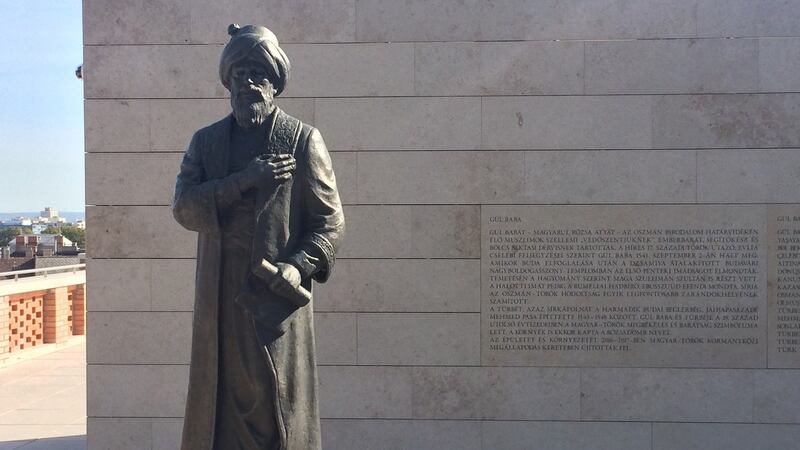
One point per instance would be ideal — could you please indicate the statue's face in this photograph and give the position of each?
(251, 92)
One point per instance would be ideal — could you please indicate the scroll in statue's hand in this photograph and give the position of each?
(284, 280)
(287, 281)
(264, 170)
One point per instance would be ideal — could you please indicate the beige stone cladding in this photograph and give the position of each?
(434, 112)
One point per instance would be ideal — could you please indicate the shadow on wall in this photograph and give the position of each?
(56, 443)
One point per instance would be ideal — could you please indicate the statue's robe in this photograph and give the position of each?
(300, 213)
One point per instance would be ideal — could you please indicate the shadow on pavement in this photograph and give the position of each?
(55, 443)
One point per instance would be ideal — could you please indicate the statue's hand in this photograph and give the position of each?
(275, 169)
(288, 279)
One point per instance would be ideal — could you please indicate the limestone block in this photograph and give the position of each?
(587, 19)
(448, 68)
(728, 18)
(137, 232)
(748, 176)
(167, 433)
(532, 68)
(135, 22)
(427, 339)
(417, 20)
(139, 337)
(149, 178)
(739, 18)
(119, 433)
(116, 125)
(683, 395)
(777, 393)
(417, 231)
(566, 122)
(399, 123)
(345, 166)
(131, 178)
(440, 177)
(726, 121)
(184, 71)
(365, 392)
(566, 435)
(129, 433)
(174, 121)
(610, 176)
(140, 284)
(296, 21)
(778, 65)
(335, 338)
(386, 231)
(163, 125)
(721, 436)
(302, 108)
(498, 68)
(137, 390)
(346, 434)
(401, 285)
(358, 70)
(778, 18)
(495, 393)
(672, 66)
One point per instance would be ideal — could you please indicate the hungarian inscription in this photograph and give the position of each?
(627, 286)
(784, 292)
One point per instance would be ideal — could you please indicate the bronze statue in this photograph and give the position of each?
(259, 189)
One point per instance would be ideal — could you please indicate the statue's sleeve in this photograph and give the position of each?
(325, 219)
(197, 200)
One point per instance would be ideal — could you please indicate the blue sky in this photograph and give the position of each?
(41, 105)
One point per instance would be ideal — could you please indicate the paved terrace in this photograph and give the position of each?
(43, 398)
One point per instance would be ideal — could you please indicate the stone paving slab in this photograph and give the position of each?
(43, 399)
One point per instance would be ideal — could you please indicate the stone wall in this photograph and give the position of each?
(435, 111)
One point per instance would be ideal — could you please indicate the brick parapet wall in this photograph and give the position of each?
(33, 318)
(4, 332)
(56, 315)
(79, 310)
(25, 320)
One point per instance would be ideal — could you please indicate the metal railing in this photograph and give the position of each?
(44, 270)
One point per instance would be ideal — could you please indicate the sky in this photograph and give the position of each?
(41, 105)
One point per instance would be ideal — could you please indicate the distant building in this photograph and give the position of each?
(30, 245)
(19, 222)
(49, 213)
(49, 216)
(80, 223)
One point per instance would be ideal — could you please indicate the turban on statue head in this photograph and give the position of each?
(257, 41)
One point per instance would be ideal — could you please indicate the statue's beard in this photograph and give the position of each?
(250, 109)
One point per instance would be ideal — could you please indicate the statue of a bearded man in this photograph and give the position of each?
(259, 189)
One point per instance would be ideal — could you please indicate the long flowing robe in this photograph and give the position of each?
(304, 212)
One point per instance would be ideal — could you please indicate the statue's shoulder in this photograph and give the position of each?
(214, 131)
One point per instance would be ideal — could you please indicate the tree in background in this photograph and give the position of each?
(7, 234)
(52, 230)
(74, 234)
